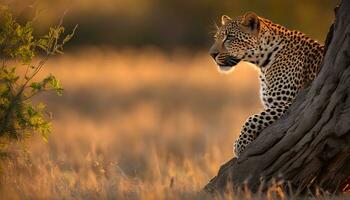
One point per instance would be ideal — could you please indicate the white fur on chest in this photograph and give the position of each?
(263, 90)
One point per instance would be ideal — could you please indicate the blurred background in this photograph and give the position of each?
(168, 23)
(145, 114)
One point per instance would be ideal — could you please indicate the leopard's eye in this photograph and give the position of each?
(226, 37)
(229, 36)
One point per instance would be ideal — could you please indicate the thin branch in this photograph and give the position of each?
(37, 92)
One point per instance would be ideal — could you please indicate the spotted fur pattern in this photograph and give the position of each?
(287, 60)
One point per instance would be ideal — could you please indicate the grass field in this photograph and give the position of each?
(134, 124)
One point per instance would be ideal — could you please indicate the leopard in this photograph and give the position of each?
(287, 61)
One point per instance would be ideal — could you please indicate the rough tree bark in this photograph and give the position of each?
(309, 147)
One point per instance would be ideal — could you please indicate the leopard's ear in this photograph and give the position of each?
(225, 19)
(251, 23)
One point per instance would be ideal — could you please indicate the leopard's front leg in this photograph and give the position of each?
(255, 124)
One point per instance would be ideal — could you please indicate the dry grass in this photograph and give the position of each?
(135, 124)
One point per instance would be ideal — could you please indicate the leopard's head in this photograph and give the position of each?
(235, 40)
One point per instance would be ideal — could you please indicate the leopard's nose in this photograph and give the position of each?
(214, 55)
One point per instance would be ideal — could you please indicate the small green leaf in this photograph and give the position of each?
(36, 86)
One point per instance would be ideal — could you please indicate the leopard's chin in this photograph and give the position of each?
(228, 64)
(225, 69)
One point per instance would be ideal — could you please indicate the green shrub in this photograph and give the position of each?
(22, 56)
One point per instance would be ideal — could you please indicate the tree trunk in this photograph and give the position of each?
(309, 147)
